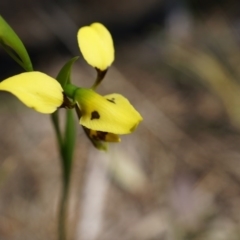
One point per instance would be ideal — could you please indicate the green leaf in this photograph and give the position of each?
(13, 45)
(64, 76)
(69, 143)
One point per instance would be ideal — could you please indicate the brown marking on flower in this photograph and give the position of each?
(95, 115)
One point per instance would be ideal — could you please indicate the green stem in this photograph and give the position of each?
(66, 170)
(63, 211)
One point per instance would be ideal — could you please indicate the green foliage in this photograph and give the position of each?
(13, 45)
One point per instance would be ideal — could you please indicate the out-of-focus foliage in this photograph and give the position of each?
(211, 58)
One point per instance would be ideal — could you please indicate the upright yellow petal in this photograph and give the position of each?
(36, 90)
(112, 113)
(96, 45)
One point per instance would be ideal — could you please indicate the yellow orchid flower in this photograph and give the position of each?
(36, 90)
(96, 44)
(112, 113)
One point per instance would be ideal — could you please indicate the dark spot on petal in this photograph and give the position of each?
(112, 100)
(95, 115)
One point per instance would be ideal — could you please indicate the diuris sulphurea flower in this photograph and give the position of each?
(103, 117)
(36, 90)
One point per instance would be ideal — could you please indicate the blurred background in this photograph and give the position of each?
(178, 176)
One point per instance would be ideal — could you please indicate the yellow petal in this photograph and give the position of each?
(112, 113)
(36, 90)
(96, 45)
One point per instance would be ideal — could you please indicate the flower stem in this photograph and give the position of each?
(66, 145)
(63, 211)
